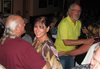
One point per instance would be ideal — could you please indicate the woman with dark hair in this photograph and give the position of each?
(43, 44)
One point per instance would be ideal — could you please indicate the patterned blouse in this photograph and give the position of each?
(49, 53)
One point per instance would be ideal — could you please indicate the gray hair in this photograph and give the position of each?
(71, 7)
(11, 24)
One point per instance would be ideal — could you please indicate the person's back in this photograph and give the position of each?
(14, 54)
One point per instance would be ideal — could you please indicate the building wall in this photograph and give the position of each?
(17, 7)
(40, 11)
(30, 7)
(0, 5)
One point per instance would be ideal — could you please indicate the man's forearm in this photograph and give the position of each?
(75, 52)
(73, 42)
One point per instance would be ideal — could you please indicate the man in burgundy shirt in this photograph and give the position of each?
(15, 53)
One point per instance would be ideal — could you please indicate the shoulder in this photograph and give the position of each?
(65, 21)
(19, 43)
(22, 41)
(49, 42)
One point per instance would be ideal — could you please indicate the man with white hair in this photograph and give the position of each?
(16, 53)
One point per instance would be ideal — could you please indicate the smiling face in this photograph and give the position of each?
(40, 29)
(95, 62)
(74, 12)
